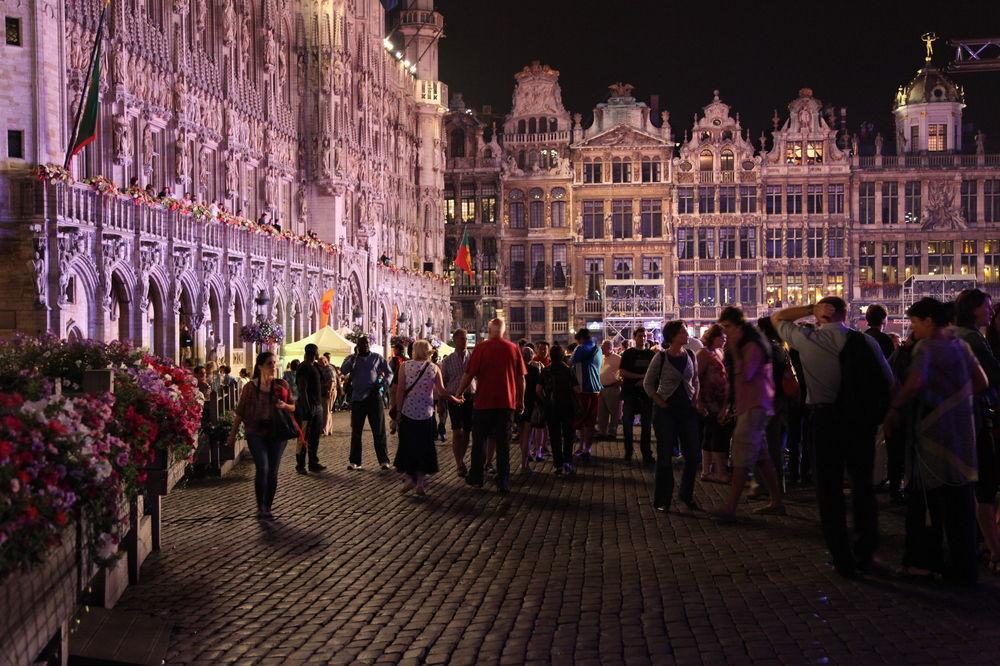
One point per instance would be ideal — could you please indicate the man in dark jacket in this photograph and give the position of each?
(309, 408)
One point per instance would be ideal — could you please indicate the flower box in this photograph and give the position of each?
(160, 481)
(37, 604)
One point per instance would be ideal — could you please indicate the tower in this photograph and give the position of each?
(928, 110)
(419, 28)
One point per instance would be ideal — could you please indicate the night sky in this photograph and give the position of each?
(757, 53)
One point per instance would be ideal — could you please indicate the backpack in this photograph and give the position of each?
(864, 390)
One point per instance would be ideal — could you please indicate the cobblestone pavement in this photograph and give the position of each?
(577, 570)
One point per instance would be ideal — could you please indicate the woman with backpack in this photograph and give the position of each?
(266, 411)
(672, 383)
(556, 392)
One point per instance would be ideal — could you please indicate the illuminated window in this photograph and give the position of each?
(774, 290)
(911, 202)
(685, 290)
(991, 261)
(488, 205)
(937, 137)
(835, 285)
(13, 31)
(727, 160)
(727, 290)
(912, 258)
(866, 261)
(814, 152)
(968, 261)
(705, 161)
(940, 257)
(890, 262)
(449, 207)
(706, 290)
(890, 202)
(793, 152)
(794, 291)
(468, 203)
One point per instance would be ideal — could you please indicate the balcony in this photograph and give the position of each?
(431, 92)
(539, 137)
(560, 327)
(927, 161)
(420, 18)
(888, 292)
(491, 291)
(590, 306)
(459, 290)
(516, 328)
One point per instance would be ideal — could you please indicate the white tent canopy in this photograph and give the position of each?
(328, 340)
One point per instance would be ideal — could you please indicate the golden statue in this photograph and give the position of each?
(928, 38)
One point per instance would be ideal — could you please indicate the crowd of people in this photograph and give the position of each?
(796, 399)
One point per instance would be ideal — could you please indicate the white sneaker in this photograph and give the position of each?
(353, 466)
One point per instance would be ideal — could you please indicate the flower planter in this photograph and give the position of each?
(160, 481)
(37, 604)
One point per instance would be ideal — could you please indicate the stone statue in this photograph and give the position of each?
(183, 152)
(270, 51)
(41, 276)
(205, 172)
(980, 143)
(941, 213)
(180, 96)
(805, 119)
(854, 144)
(247, 39)
(878, 143)
(303, 201)
(122, 139)
(900, 141)
(232, 175)
(121, 66)
(148, 149)
(228, 21)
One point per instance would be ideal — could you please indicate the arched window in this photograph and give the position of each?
(520, 126)
(706, 161)
(543, 125)
(520, 159)
(532, 126)
(553, 125)
(457, 141)
(727, 160)
(532, 158)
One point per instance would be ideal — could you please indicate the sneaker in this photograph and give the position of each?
(353, 466)
(266, 514)
(463, 471)
(385, 466)
(317, 468)
(491, 470)
(569, 469)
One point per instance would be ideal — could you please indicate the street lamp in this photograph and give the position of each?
(262, 300)
(356, 314)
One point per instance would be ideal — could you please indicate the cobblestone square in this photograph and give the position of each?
(563, 570)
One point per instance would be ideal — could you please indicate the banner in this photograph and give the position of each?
(326, 308)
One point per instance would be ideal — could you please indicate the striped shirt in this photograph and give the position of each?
(453, 367)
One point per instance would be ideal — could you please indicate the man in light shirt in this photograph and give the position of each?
(452, 369)
(610, 407)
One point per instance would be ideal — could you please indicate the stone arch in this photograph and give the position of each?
(122, 307)
(78, 291)
(154, 319)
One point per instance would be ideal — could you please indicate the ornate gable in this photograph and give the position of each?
(623, 136)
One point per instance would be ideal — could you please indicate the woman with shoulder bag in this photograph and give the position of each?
(419, 382)
(531, 425)
(266, 412)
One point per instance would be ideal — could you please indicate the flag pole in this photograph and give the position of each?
(86, 89)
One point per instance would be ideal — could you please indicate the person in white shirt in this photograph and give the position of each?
(610, 407)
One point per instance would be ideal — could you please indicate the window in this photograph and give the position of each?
(793, 199)
(651, 170)
(835, 199)
(488, 204)
(937, 137)
(685, 200)
(706, 200)
(748, 242)
(968, 257)
(621, 218)
(727, 243)
(15, 144)
(772, 244)
(449, 207)
(517, 315)
(911, 259)
(835, 285)
(991, 200)
(793, 153)
(890, 202)
(706, 290)
(457, 140)
(795, 288)
(727, 199)
(621, 170)
(814, 199)
(560, 313)
(651, 218)
(517, 267)
(911, 202)
(890, 262)
(866, 203)
(594, 268)
(705, 161)
(866, 262)
(793, 243)
(941, 257)
(814, 152)
(727, 160)
(685, 243)
(814, 243)
(538, 266)
(652, 268)
(13, 31)
(774, 289)
(748, 289)
(622, 268)
(559, 266)
(748, 198)
(991, 261)
(772, 199)
(593, 219)
(727, 290)
(517, 214)
(685, 291)
(835, 242)
(706, 243)
(592, 171)
(468, 204)
(537, 313)
(536, 214)
(558, 213)
(814, 287)
(970, 195)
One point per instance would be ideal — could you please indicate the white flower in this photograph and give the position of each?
(102, 470)
(106, 546)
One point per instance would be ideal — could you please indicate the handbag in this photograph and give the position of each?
(283, 427)
(394, 411)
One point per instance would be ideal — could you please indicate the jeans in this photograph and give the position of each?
(266, 454)
(561, 436)
(839, 445)
(673, 424)
(313, 429)
(495, 424)
(633, 404)
(776, 433)
(609, 409)
(372, 408)
(952, 512)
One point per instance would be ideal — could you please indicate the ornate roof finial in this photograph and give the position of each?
(715, 95)
(928, 38)
(775, 119)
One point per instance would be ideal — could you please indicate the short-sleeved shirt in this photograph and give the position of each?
(586, 363)
(326, 378)
(637, 361)
(883, 340)
(419, 402)
(452, 369)
(498, 367)
(365, 372)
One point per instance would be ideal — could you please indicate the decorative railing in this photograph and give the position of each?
(421, 17)
(539, 137)
(431, 92)
(927, 161)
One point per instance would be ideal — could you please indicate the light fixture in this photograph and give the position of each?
(413, 69)
(387, 43)
(399, 55)
(406, 63)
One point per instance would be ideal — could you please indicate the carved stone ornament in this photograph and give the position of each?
(942, 213)
(122, 139)
(39, 266)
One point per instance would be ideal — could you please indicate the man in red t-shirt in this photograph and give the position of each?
(498, 368)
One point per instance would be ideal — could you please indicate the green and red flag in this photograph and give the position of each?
(463, 259)
(85, 123)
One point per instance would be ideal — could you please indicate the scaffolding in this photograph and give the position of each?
(629, 304)
(942, 287)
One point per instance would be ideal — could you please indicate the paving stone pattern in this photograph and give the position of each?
(578, 570)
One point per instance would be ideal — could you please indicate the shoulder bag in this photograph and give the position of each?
(394, 412)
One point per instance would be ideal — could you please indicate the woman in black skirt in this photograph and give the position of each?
(419, 382)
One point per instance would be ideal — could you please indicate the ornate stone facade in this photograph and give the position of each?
(291, 112)
(713, 220)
